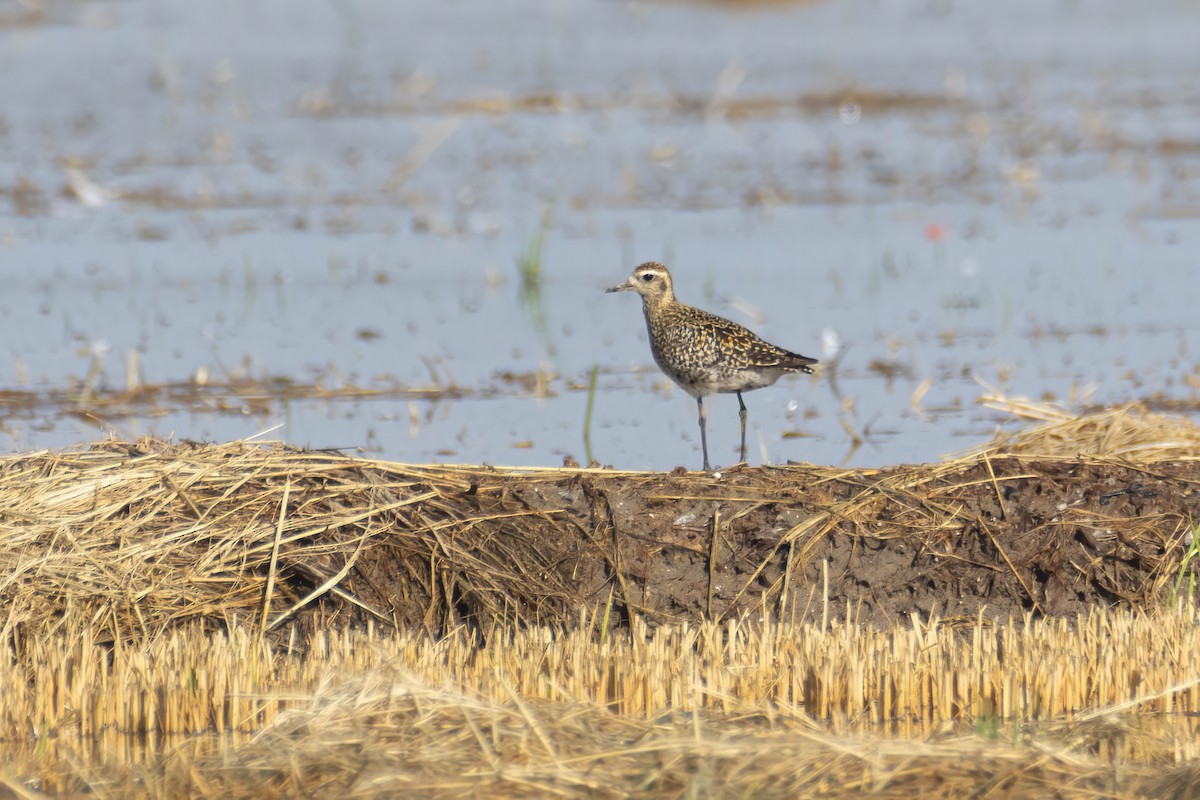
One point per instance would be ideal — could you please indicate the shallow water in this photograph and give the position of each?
(314, 211)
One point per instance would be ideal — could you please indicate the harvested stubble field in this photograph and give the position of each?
(265, 621)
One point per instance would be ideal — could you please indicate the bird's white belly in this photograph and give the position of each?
(713, 381)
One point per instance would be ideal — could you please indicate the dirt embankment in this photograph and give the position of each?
(1004, 536)
(153, 534)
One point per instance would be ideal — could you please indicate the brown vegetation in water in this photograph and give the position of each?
(385, 735)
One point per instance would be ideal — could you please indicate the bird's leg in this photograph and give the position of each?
(703, 435)
(742, 417)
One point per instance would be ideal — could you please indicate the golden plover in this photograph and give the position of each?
(703, 353)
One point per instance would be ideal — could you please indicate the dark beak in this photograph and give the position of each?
(620, 287)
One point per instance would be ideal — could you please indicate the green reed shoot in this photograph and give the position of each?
(529, 267)
(1193, 549)
(587, 415)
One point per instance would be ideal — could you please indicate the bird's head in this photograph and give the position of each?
(651, 280)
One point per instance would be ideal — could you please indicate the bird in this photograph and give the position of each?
(703, 353)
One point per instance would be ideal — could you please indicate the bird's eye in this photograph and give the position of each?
(647, 277)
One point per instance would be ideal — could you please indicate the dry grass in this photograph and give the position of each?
(1130, 431)
(140, 537)
(382, 733)
(914, 680)
(502, 642)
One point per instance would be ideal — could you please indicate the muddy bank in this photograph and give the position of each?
(1004, 535)
(153, 534)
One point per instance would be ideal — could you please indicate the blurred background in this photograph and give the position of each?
(386, 227)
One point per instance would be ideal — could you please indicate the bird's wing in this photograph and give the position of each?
(741, 344)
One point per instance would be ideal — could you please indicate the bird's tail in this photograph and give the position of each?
(799, 363)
